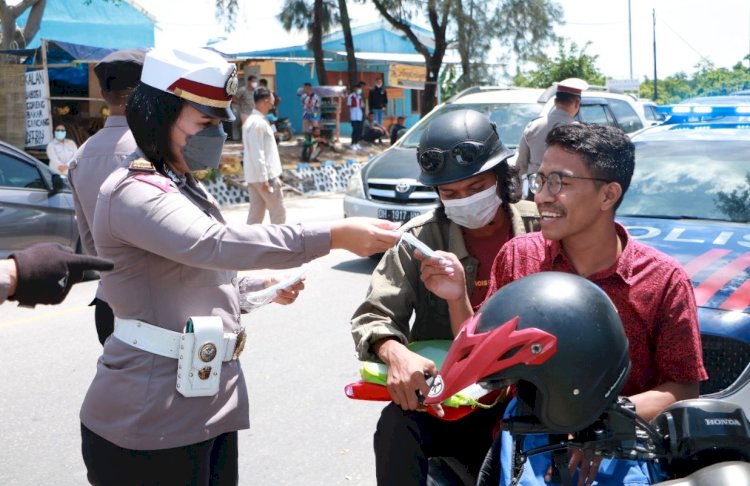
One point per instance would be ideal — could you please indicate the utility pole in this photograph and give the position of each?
(656, 92)
(630, 40)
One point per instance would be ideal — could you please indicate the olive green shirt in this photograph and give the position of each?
(397, 293)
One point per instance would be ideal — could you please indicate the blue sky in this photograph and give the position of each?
(686, 30)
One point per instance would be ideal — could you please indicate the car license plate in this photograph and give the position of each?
(398, 215)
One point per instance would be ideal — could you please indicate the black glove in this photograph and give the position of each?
(47, 271)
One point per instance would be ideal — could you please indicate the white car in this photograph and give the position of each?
(387, 186)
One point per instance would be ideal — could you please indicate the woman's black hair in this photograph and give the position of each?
(151, 113)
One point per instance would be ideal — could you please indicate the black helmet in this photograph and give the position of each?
(459, 145)
(558, 335)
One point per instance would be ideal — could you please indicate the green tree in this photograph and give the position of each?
(316, 17)
(524, 28)
(399, 13)
(570, 62)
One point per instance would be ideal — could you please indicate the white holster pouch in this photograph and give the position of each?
(199, 351)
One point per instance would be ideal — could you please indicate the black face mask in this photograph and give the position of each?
(203, 150)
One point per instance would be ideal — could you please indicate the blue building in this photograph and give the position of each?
(380, 50)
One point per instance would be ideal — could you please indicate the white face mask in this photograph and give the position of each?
(475, 211)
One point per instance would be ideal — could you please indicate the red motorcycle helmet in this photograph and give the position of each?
(557, 335)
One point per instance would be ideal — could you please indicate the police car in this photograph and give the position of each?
(690, 198)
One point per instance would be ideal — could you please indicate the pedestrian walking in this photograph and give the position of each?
(261, 163)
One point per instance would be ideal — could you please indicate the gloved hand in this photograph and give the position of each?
(47, 271)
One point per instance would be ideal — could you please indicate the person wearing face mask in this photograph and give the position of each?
(244, 98)
(377, 100)
(169, 394)
(356, 114)
(461, 155)
(262, 164)
(61, 150)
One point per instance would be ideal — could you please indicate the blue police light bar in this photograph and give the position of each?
(690, 112)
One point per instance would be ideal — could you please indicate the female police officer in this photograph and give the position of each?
(169, 394)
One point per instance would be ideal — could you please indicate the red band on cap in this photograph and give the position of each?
(201, 90)
(567, 89)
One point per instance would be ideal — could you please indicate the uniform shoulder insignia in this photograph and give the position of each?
(142, 165)
(156, 180)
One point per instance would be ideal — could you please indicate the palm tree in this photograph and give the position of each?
(317, 18)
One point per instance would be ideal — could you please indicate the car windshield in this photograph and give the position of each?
(511, 119)
(697, 179)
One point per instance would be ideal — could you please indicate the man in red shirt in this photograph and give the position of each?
(584, 174)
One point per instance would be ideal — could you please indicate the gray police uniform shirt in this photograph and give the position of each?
(532, 145)
(91, 165)
(174, 257)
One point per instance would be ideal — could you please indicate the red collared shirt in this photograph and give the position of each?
(653, 295)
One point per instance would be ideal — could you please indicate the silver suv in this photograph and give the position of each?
(387, 186)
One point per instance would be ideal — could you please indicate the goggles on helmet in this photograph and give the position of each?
(464, 153)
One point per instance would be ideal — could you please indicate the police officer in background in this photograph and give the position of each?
(169, 394)
(118, 73)
(532, 145)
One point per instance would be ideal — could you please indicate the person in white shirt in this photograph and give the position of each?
(262, 165)
(61, 150)
(356, 114)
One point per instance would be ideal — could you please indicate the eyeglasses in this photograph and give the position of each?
(554, 181)
(463, 153)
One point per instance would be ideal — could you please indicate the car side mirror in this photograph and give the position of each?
(58, 183)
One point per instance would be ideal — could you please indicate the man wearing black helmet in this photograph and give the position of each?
(462, 156)
(584, 174)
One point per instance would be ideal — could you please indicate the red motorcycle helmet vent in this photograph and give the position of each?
(558, 335)
(473, 355)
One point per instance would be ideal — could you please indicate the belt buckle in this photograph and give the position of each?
(239, 344)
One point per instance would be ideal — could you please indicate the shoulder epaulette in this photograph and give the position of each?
(141, 165)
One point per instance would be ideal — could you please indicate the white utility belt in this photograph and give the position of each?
(199, 350)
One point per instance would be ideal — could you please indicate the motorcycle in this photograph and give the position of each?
(282, 127)
(697, 442)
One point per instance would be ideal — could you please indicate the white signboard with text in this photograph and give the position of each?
(622, 85)
(38, 114)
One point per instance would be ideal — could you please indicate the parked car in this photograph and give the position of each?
(36, 203)
(690, 198)
(605, 108)
(387, 186)
(650, 112)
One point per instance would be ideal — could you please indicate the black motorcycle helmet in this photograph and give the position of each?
(557, 335)
(459, 145)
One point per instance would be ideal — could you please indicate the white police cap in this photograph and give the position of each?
(572, 85)
(200, 76)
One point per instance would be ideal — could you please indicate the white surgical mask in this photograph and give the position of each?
(475, 211)
(253, 84)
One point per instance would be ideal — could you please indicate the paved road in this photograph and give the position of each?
(298, 359)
